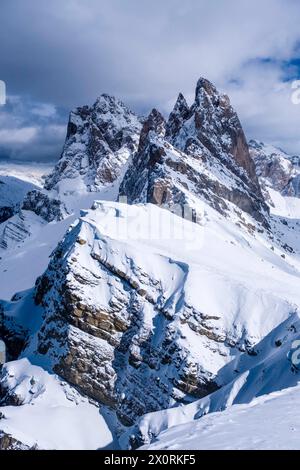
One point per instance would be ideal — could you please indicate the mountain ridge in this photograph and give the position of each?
(181, 297)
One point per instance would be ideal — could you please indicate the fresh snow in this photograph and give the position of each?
(243, 282)
(13, 190)
(22, 261)
(52, 414)
(211, 266)
(270, 422)
(288, 207)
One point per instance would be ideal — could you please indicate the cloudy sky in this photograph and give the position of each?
(59, 54)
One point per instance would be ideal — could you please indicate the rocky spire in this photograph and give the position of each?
(100, 139)
(213, 126)
(180, 113)
(201, 151)
(156, 124)
(204, 85)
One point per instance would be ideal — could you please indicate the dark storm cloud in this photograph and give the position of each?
(68, 52)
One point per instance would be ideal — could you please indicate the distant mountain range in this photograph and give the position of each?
(150, 281)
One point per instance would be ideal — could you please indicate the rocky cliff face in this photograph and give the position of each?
(113, 329)
(138, 330)
(100, 140)
(199, 152)
(19, 227)
(12, 192)
(42, 204)
(276, 169)
(140, 310)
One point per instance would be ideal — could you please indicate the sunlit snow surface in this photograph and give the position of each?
(245, 282)
(270, 422)
(53, 415)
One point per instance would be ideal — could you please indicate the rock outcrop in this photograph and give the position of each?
(276, 169)
(42, 204)
(100, 140)
(18, 228)
(12, 193)
(8, 442)
(101, 306)
(200, 152)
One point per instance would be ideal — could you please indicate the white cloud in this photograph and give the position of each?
(44, 110)
(17, 136)
(264, 102)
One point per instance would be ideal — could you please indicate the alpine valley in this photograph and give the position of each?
(150, 285)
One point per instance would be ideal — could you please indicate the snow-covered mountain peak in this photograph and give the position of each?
(12, 193)
(206, 85)
(153, 127)
(180, 113)
(140, 309)
(100, 140)
(203, 155)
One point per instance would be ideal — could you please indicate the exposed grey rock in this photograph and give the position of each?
(276, 168)
(100, 140)
(12, 192)
(200, 152)
(14, 335)
(8, 442)
(42, 204)
(14, 231)
(96, 334)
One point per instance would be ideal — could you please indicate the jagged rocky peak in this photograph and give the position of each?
(100, 139)
(207, 86)
(201, 152)
(276, 169)
(216, 126)
(180, 113)
(154, 125)
(42, 204)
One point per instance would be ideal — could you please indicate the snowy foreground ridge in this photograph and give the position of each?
(150, 286)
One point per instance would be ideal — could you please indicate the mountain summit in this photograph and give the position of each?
(200, 153)
(100, 139)
(124, 320)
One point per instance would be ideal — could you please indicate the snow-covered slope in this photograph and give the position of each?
(271, 366)
(143, 319)
(16, 180)
(270, 422)
(44, 412)
(25, 257)
(17, 228)
(12, 192)
(31, 172)
(141, 322)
